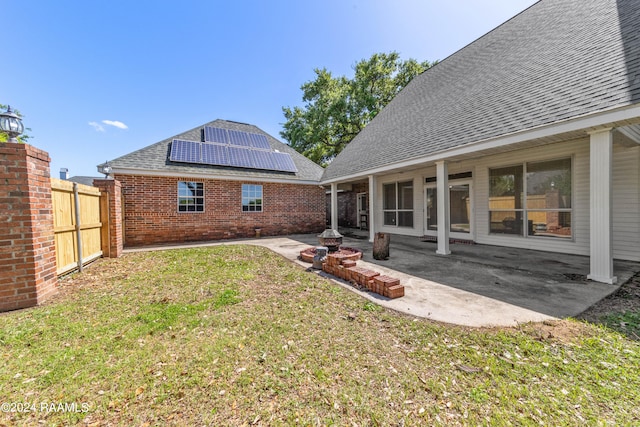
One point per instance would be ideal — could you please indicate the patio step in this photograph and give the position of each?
(451, 240)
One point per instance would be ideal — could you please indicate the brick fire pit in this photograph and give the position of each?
(353, 254)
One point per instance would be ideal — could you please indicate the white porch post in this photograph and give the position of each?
(334, 206)
(442, 180)
(601, 237)
(372, 204)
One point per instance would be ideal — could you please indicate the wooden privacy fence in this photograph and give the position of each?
(78, 224)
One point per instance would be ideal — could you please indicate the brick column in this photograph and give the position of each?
(113, 191)
(27, 243)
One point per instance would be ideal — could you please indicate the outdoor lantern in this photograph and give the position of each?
(106, 169)
(11, 124)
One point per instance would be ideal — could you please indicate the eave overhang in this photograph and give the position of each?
(222, 177)
(624, 119)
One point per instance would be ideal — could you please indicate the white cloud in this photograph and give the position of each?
(97, 126)
(115, 123)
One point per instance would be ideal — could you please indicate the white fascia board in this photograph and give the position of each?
(149, 172)
(589, 122)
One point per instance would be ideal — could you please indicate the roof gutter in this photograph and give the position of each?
(589, 122)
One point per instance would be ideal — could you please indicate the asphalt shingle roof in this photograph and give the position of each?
(155, 158)
(556, 60)
(85, 180)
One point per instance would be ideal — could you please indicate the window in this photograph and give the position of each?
(549, 198)
(398, 204)
(190, 196)
(251, 198)
(534, 197)
(505, 200)
(432, 208)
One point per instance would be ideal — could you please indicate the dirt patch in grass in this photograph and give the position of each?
(627, 298)
(619, 311)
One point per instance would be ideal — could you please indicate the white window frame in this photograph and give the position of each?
(251, 194)
(397, 210)
(525, 210)
(198, 200)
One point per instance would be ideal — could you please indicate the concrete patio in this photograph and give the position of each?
(477, 285)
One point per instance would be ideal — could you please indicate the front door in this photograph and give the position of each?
(460, 210)
(363, 211)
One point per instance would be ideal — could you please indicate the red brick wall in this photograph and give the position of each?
(347, 205)
(113, 190)
(27, 246)
(151, 211)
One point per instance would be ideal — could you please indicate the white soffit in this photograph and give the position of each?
(632, 132)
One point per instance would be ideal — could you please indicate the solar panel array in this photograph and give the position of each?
(223, 147)
(235, 137)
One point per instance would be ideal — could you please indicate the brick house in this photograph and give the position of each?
(221, 180)
(528, 137)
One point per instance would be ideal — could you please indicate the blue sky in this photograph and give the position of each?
(98, 79)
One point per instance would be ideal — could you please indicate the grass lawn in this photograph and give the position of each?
(236, 335)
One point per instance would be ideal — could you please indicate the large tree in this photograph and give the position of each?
(337, 108)
(22, 138)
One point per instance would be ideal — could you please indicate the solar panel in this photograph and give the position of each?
(185, 151)
(234, 154)
(239, 138)
(262, 159)
(215, 154)
(240, 157)
(259, 141)
(283, 162)
(213, 134)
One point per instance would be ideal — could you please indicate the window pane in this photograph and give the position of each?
(505, 188)
(405, 195)
(405, 219)
(432, 209)
(549, 184)
(509, 222)
(550, 224)
(390, 218)
(389, 201)
(182, 188)
(459, 208)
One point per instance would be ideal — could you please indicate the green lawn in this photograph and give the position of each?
(236, 335)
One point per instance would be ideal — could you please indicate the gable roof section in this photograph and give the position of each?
(154, 159)
(557, 60)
